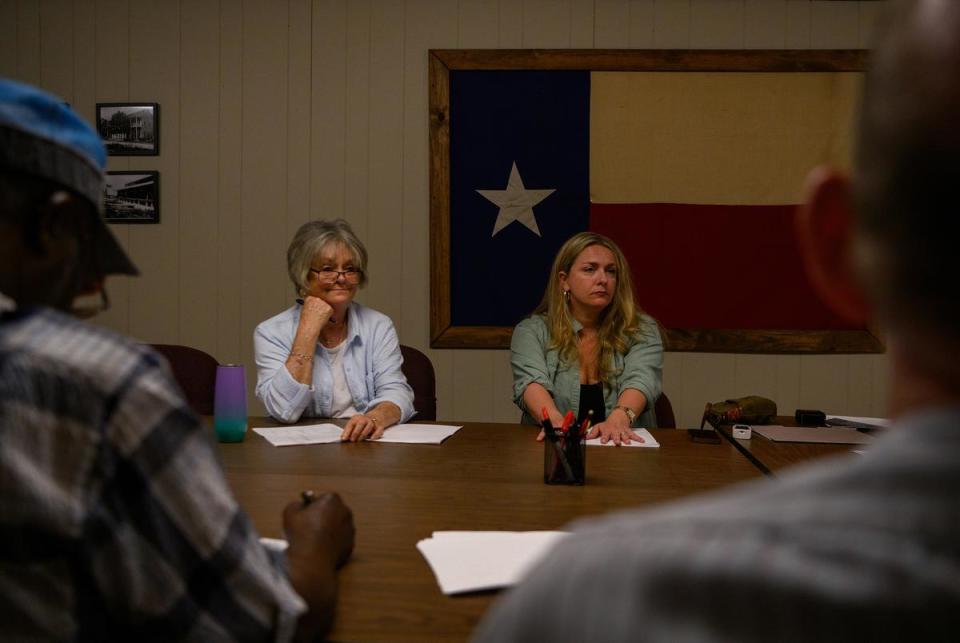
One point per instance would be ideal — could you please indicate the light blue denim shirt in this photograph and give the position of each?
(533, 360)
(371, 364)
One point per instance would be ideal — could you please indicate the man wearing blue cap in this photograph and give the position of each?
(115, 518)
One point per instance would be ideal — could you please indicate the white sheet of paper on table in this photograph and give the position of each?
(282, 436)
(471, 561)
(276, 544)
(648, 441)
(419, 433)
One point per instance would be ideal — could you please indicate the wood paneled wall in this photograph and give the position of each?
(276, 112)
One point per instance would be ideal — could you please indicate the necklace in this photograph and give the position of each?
(334, 340)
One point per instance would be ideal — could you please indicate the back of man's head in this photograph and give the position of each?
(907, 173)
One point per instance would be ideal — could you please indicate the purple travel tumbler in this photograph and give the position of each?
(230, 403)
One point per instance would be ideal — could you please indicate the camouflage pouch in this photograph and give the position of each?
(752, 409)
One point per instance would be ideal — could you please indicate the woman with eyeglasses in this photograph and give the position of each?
(588, 346)
(328, 356)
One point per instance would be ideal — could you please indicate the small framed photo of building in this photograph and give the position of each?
(129, 129)
(132, 197)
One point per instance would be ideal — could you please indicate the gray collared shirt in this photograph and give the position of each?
(533, 360)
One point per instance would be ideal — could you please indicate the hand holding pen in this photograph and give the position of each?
(319, 526)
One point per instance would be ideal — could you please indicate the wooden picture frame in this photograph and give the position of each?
(129, 129)
(443, 334)
(132, 196)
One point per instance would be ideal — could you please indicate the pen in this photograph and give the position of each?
(585, 425)
(307, 496)
(567, 422)
(546, 425)
(552, 436)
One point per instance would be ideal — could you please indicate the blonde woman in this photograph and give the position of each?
(588, 346)
(328, 356)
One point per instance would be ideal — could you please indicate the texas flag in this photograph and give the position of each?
(694, 175)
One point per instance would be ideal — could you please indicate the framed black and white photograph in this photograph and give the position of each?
(129, 129)
(132, 197)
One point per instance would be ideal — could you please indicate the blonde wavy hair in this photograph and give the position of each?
(619, 322)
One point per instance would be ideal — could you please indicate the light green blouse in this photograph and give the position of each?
(532, 360)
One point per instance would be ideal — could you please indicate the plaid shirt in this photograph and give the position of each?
(115, 519)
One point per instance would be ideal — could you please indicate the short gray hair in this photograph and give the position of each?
(311, 239)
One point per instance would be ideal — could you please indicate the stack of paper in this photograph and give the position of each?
(471, 561)
(282, 436)
(648, 441)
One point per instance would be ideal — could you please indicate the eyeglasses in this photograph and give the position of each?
(351, 276)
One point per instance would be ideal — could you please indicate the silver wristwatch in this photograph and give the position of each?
(631, 415)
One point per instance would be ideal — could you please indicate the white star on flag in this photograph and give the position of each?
(516, 203)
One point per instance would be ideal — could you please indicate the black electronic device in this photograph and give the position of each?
(809, 417)
(706, 436)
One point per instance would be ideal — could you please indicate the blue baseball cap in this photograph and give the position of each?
(41, 136)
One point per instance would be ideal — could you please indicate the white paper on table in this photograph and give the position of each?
(281, 436)
(814, 434)
(471, 561)
(648, 441)
(284, 436)
(418, 433)
(276, 544)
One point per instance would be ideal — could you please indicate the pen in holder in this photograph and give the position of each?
(230, 403)
(565, 457)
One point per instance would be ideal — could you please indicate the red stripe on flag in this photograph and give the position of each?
(716, 266)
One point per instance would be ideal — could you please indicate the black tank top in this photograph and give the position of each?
(591, 398)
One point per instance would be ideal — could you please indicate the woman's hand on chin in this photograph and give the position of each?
(315, 313)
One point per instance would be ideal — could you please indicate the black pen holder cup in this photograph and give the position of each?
(564, 460)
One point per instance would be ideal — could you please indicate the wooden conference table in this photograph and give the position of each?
(485, 477)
